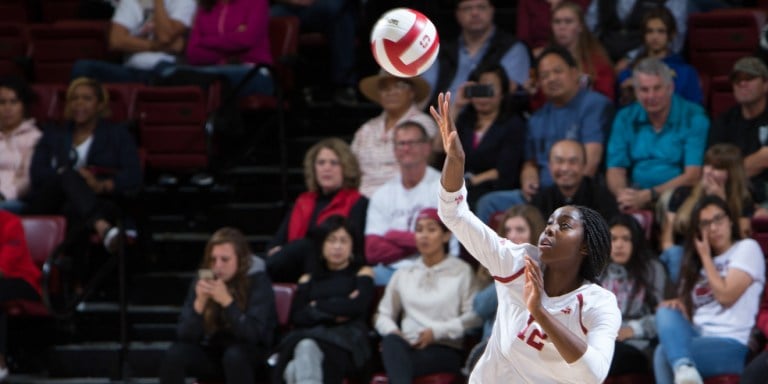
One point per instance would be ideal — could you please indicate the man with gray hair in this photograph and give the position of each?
(657, 143)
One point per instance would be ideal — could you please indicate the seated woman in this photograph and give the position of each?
(76, 170)
(723, 175)
(704, 331)
(18, 136)
(520, 224)
(330, 314)
(374, 141)
(660, 31)
(19, 276)
(228, 320)
(426, 308)
(332, 176)
(639, 281)
(493, 134)
(229, 38)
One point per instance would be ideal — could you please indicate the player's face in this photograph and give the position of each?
(224, 261)
(431, 237)
(621, 244)
(561, 243)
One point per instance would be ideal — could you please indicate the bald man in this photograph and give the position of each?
(572, 186)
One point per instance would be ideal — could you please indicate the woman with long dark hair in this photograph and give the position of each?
(704, 331)
(228, 320)
(639, 281)
(330, 313)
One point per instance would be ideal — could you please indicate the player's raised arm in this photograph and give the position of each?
(453, 168)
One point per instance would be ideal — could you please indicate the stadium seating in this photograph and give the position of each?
(13, 49)
(56, 47)
(13, 11)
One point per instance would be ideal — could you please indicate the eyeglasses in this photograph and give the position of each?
(717, 220)
(409, 143)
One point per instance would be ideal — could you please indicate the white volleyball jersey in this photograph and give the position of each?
(518, 349)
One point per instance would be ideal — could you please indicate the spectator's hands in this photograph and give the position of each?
(202, 295)
(625, 333)
(274, 250)
(89, 178)
(534, 284)
(712, 186)
(218, 291)
(426, 337)
(675, 304)
(701, 241)
(459, 98)
(630, 198)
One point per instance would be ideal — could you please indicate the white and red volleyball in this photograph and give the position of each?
(404, 42)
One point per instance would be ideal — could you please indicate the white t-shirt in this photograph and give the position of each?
(82, 152)
(393, 207)
(137, 16)
(737, 320)
(518, 350)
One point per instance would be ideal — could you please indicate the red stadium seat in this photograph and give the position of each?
(13, 49)
(720, 96)
(13, 11)
(47, 105)
(122, 100)
(717, 39)
(283, 300)
(44, 234)
(723, 379)
(56, 47)
(170, 123)
(55, 10)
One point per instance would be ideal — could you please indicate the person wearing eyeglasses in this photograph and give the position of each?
(389, 226)
(373, 143)
(746, 124)
(704, 331)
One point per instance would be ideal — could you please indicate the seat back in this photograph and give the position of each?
(13, 11)
(43, 234)
(13, 49)
(284, 43)
(720, 96)
(717, 39)
(48, 103)
(170, 124)
(56, 47)
(284, 293)
(56, 10)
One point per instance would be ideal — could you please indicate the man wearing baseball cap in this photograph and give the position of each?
(746, 124)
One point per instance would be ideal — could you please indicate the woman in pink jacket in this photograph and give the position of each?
(229, 38)
(18, 136)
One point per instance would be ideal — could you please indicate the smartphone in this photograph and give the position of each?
(478, 90)
(205, 274)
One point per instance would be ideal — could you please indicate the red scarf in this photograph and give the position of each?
(341, 204)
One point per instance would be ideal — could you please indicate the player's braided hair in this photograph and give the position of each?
(597, 236)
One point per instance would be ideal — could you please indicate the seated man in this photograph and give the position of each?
(389, 237)
(746, 124)
(567, 162)
(150, 33)
(657, 143)
(570, 113)
(480, 43)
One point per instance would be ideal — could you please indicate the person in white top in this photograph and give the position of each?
(704, 332)
(389, 222)
(554, 324)
(426, 307)
(374, 141)
(150, 33)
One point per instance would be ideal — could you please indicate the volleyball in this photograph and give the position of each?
(404, 42)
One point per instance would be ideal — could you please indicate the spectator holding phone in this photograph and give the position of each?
(491, 131)
(228, 319)
(76, 170)
(570, 112)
